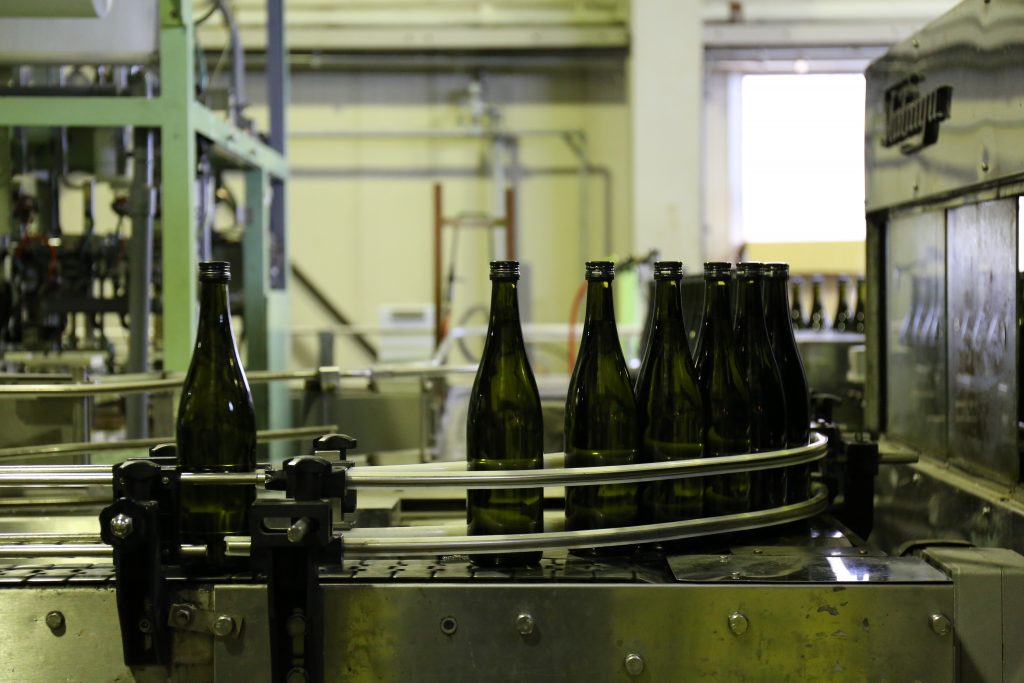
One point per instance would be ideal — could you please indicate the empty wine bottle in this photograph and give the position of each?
(601, 425)
(842, 322)
(767, 397)
(725, 391)
(791, 368)
(858, 312)
(216, 429)
(671, 409)
(796, 309)
(505, 426)
(817, 320)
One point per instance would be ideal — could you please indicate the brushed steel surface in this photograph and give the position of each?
(860, 632)
(978, 50)
(916, 400)
(982, 293)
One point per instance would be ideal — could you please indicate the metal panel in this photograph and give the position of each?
(382, 632)
(86, 648)
(989, 612)
(126, 35)
(916, 329)
(977, 49)
(982, 268)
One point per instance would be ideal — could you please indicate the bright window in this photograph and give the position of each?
(802, 158)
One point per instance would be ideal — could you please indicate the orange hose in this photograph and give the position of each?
(573, 314)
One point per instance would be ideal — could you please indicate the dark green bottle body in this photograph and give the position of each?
(817, 319)
(601, 425)
(796, 309)
(859, 316)
(794, 378)
(767, 397)
(842, 321)
(725, 392)
(670, 406)
(216, 428)
(505, 425)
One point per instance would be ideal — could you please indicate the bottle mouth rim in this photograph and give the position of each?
(214, 271)
(717, 268)
(750, 269)
(776, 269)
(668, 270)
(600, 270)
(505, 270)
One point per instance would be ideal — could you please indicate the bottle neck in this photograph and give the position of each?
(214, 307)
(750, 301)
(599, 302)
(504, 302)
(718, 303)
(816, 291)
(667, 304)
(842, 292)
(776, 303)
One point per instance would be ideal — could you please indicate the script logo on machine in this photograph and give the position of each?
(912, 119)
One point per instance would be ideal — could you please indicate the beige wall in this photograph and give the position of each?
(361, 211)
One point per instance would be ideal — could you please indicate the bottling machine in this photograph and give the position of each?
(903, 566)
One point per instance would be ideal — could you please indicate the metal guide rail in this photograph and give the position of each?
(141, 531)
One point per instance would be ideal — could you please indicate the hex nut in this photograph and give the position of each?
(55, 620)
(121, 525)
(941, 624)
(738, 623)
(634, 664)
(223, 626)
(525, 624)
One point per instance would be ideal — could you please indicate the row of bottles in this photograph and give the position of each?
(745, 392)
(844, 320)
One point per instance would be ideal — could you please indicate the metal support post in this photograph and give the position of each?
(141, 274)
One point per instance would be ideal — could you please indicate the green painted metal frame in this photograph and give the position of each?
(180, 118)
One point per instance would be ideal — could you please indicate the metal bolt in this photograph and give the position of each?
(862, 551)
(915, 42)
(296, 625)
(524, 624)
(145, 625)
(449, 626)
(738, 623)
(121, 525)
(54, 620)
(634, 664)
(758, 551)
(984, 166)
(296, 675)
(941, 624)
(223, 626)
(182, 617)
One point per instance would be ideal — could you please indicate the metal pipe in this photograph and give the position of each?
(130, 444)
(141, 275)
(455, 475)
(165, 384)
(29, 549)
(237, 103)
(388, 545)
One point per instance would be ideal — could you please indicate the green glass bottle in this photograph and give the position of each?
(601, 425)
(796, 309)
(858, 310)
(791, 368)
(725, 391)
(767, 396)
(817, 319)
(671, 409)
(842, 322)
(505, 426)
(216, 430)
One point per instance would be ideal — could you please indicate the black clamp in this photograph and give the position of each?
(291, 539)
(141, 526)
